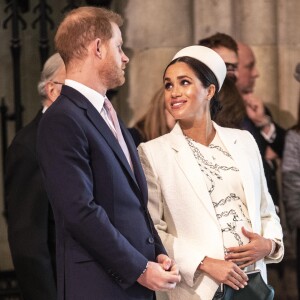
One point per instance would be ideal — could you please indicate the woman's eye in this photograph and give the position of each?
(185, 82)
(168, 86)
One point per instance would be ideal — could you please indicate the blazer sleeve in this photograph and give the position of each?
(291, 179)
(185, 253)
(27, 221)
(278, 144)
(270, 223)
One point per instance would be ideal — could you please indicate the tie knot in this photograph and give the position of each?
(112, 115)
(107, 104)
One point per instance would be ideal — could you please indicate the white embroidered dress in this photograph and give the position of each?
(225, 188)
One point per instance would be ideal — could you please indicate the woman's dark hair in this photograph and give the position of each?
(205, 75)
(232, 108)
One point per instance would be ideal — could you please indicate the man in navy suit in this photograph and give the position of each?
(107, 247)
(268, 135)
(30, 222)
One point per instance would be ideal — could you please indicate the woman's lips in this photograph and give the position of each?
(177, 104)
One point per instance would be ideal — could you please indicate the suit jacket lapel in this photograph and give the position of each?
(137, 167)
(102, 127)
(237, 147)
(94, 116)
(188, 164)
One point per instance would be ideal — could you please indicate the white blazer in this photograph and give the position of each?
(182, 210)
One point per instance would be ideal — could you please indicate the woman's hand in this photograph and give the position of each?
(224, 272)
(246, 255)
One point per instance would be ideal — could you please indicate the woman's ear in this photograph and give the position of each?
(211, 91)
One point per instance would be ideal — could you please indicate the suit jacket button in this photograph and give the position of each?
(151, 240)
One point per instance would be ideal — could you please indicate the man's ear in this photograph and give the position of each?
(49, 87)
(51, 91)
(98, 48)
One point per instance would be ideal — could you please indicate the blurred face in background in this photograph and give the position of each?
(247, 70)
(53, 86)
(231, 61)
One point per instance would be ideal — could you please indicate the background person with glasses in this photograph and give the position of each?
(232, 69)
(229, 110)
(227, 48)
(56, 82)
(31, 229)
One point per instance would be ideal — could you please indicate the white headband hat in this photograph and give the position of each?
(207, 56)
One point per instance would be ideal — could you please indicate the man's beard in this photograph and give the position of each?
(113, 76)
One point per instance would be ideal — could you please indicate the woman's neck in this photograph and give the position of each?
(203, 132)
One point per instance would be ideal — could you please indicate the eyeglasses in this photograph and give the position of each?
(231, 67)
(57, 82)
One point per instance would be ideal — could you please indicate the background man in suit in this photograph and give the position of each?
(107, 247)
(241, 66)
(31, 231)
(268, 135)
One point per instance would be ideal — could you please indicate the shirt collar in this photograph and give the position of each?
(94, 97)
(44, 109)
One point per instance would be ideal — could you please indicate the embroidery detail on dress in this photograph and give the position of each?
(200, 158)
(218, 166)
(208, 168)
(231, 228)
(231, 197)
(212, 146)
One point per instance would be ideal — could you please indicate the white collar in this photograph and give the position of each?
(94, 97)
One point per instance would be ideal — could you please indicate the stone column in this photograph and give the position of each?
(153, 32)
(288, 57)
(257, 27)
(211, 17)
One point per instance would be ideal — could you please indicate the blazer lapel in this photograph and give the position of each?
(188, 164)
(236, 147)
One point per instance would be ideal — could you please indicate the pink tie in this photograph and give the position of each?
(118, 133)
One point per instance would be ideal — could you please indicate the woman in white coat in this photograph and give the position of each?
(207, 190)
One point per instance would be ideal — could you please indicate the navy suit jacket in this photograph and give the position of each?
(105, 235)
(277, 145)
(30, 223)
